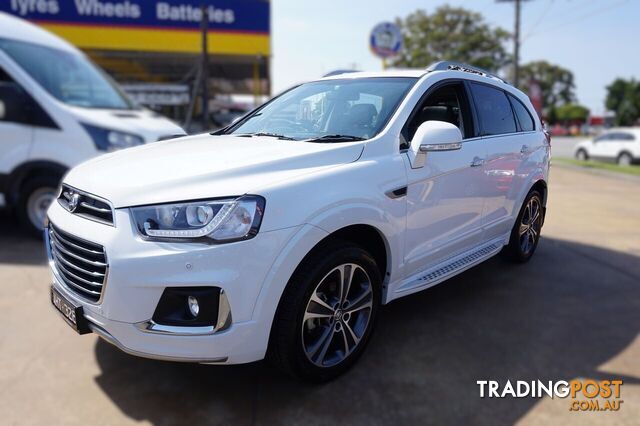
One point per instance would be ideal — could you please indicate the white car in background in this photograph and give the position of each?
(620, 145)
(57, 109)
(284, 232)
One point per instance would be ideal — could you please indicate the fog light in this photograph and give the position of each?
(194, 308)
(188, 307)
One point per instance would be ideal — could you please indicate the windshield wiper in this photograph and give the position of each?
(272, 135)
(335, 138)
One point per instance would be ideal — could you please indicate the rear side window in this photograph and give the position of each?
(523, 115)
(623, 137)
(494, 110)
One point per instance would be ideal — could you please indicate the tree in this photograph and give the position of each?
(571, 113)
(623, 98)
(556, 84)
(454, 34)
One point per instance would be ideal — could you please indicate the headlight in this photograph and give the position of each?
(111, 140)
(208, 221)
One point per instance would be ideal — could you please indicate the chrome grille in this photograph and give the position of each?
(86, 205)
(80, 264)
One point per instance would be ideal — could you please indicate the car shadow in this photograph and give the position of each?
(561, 316)
(16, 245)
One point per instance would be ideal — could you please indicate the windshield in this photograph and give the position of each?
(331, 110)
(69, 77)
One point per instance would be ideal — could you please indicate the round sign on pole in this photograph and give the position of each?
(386, 40)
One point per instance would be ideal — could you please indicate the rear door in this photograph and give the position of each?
(509, 144)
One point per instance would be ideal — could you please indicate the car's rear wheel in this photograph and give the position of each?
(327, 313)
(36, 195)
(525, 234)
(625, 159)
(582, 155)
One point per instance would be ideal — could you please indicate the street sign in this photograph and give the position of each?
(385, 40)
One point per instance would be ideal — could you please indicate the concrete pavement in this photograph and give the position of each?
(572, 312)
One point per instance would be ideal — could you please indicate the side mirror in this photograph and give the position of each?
(3, 110)
(433, 136)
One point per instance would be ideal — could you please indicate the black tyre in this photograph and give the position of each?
(327, 313)
(526, 231)
(582, 155)
(36, 195)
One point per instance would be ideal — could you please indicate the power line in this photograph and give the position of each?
(539, 20)
(581, 18)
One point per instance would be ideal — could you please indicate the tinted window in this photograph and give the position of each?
(524, 117)
(621, 136)
(449, 104)
(494, 110)
(17, 106)
(4, 77)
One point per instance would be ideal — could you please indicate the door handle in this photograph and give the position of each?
(524, 149)
(476, 162)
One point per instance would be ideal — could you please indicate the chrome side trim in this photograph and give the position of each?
(441, 147)
(150, 326)
(115, 342)
(223, 322)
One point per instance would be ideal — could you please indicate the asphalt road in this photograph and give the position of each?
(572, 312)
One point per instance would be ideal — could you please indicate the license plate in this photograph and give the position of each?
(72, 313)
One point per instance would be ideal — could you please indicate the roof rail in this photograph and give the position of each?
(458, 66)
(338, 72)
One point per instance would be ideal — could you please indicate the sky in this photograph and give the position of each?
(598, 40)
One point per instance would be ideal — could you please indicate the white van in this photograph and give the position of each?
(58, 109)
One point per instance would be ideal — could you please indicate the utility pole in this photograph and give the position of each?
(204, 64)
(516, 39)
(516, 45)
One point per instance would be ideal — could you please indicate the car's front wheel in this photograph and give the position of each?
(582, 155)
(327, 313)
(36, 195)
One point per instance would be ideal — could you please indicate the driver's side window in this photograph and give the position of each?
(446, 103)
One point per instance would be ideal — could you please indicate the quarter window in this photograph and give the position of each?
(523, 115)
(494, 110)
(17, 106)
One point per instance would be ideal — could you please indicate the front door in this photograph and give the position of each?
(16, 134)
(444, 198)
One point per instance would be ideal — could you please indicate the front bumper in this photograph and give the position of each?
(139, 271)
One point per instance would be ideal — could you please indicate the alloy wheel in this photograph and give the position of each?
(530, 225)
(37, 205)
(337, 315)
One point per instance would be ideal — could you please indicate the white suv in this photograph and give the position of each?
(620, 145)
(283, 233)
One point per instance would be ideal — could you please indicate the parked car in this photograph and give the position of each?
(283, 233)
(620, 145)
(57, 109)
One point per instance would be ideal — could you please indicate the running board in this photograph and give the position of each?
(449, 268)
